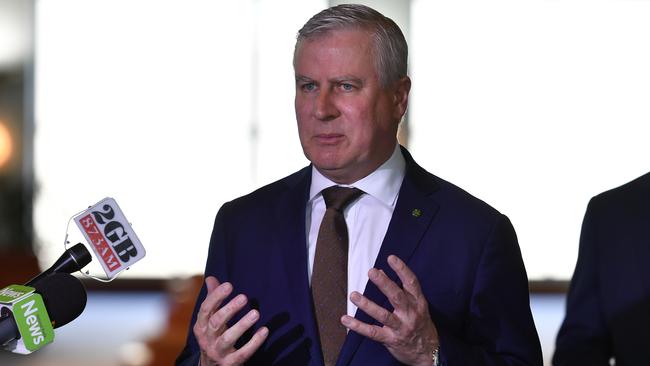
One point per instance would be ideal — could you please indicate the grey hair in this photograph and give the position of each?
(389, 45)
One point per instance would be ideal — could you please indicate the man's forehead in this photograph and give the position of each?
(350, 41)
(342, 54)
(334, 35)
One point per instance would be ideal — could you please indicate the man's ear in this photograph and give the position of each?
(401, 96)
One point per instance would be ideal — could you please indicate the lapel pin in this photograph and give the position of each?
(416, 212)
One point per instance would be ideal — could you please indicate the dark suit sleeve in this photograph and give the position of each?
(583, 338)
(216, 266)
(500, 329)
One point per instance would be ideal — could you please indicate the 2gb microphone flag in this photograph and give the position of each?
(110, 236)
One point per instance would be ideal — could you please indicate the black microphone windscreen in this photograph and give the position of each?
(64, 297)
(74, 259)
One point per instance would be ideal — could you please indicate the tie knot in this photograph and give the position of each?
(338, 197)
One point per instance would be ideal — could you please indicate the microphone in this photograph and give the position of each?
(72, 260)
(30, 314)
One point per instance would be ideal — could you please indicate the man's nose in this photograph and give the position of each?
(324, 108)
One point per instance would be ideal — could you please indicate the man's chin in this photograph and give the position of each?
(329, 161)
(327, 168)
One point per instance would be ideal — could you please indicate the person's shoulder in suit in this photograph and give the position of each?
(637, 188)
(271, 194)
(452, 198)
(629, 199)
(464, 201)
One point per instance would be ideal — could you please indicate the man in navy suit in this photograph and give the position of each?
(608, 305)
(435, 276)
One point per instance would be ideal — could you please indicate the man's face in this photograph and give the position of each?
(347, 122)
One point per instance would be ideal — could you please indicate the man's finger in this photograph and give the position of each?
(377, 312)
(409, 279)
(228, 338)
(218, 322)
(373, 332)
(390, 289)
(247, 350)
(212, 302)
(211, 283)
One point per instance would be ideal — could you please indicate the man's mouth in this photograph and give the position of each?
(329, 138)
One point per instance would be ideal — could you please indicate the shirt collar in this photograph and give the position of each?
(383, 184)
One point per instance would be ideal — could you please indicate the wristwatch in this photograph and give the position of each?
(435, 356)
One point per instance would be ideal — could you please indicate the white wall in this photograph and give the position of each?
(534, 106)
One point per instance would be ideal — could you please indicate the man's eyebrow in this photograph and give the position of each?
(334, 80)
(303, 78)
(344, 78)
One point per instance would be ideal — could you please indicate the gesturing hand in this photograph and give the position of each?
(216, 340)
(408, 332)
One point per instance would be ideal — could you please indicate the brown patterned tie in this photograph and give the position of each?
(329, 280)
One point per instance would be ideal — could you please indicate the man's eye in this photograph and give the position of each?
(347, 86)
(308, 86)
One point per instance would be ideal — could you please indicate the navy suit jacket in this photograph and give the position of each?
(608, 305)
(464, 253)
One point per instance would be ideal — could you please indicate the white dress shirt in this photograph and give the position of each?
(367, 218)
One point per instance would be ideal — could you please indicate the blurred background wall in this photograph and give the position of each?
(16, 130)
(534, 106)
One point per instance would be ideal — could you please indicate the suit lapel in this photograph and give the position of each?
(292, 237)
(412, 216)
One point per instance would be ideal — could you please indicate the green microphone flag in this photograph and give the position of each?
(31, 318)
